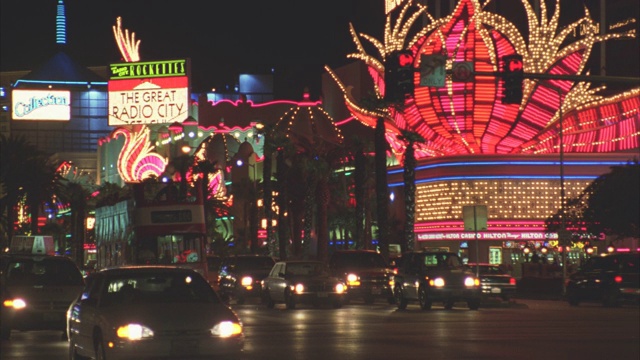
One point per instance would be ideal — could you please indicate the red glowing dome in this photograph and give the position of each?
(469, 117)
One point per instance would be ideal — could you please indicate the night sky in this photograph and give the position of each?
(296, 38)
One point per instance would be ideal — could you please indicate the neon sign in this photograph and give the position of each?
(151, 69)
(41, 105)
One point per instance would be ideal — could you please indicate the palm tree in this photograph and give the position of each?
(382, 191)
(19, 164)
(410, 138)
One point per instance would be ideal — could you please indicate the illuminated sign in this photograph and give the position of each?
(41, 105)
(171, 216)
(488, 235)
(149, 69)
(148, 101)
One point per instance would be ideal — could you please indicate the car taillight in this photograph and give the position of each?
(617, 279)
(512, 281)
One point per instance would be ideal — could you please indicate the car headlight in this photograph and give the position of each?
(437, 282)
(340, 288)
(246, 281)
(299, 288)
(471, 281)
(134, 332)
(353, 280)
(226, 329)
(16, 304)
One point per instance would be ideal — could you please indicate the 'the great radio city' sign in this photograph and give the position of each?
(41, 105)
(148, 92)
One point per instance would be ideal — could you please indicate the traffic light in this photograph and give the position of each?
(398, 75)
(512, 77)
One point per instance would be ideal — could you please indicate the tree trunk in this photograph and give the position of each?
(409, 196)
(359, 182)
(323, 226)
(382, 191)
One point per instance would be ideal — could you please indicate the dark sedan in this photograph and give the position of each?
(609, 279)
(292, 282)
(151, 312)
(494, 281)
(240, 276)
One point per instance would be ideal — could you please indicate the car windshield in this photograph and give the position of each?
(307, 269)
(443, 261)
(39, 271)
(358, 260)
(157, 287)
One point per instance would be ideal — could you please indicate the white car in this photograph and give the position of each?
(151, 312)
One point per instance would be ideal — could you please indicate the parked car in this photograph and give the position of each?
(37, 291)
(151, 312)
(609, 279)
(494, 281)
(240, 276)
(296, 281)
(366, 273)
(427, 277)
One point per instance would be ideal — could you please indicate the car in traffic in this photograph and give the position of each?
(36, 292)
(427, 277)
(151, 311)
(367, 275)
(609, 279)
(302, 282)
(240, 276)
(494, 281)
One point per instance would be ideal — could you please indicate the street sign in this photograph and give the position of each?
(462, 71)
(432, 71)
(475, 217)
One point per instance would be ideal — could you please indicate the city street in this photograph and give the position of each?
(526, 329)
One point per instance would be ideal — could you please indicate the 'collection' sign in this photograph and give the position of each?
(41, 105)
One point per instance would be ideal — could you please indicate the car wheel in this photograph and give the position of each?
(474, 304)
(73, 352)
(268, 300)
(337, 304)
(573, 300)
(423, 299)
(289, 300)
(5, 333)
(369, 299)
(448, 305)
(611, 298)
(100, 354)
(401, 301)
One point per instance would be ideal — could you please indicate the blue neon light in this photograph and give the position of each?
(103, 83)
(498, 177)
(525, 163)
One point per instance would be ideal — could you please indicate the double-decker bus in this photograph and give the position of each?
(161, 224)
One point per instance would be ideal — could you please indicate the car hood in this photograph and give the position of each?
(170, 316)
(314, 279)
(365, 271)
(44, 293)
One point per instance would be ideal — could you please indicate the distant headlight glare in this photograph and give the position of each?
(353, 280)
(340, 288)
(437, 282)
(470, 281)
(16, 304)
(226, 329)
(299, 288)
(246, 281)
(134, 332)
